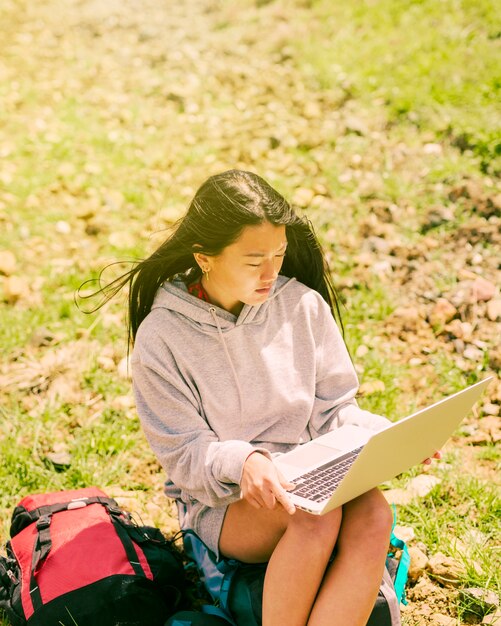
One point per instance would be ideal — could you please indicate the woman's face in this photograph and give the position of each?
(245, 270)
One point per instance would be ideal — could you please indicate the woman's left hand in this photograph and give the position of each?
(437, 455)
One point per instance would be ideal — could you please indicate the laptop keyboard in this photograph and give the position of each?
(319, 484)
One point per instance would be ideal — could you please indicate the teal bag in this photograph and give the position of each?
(205, 617)
(237, 587)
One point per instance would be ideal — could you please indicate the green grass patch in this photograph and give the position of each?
(432, 65)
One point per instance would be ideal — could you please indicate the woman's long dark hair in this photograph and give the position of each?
(221, 208)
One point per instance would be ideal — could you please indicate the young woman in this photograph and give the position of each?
(237, 357)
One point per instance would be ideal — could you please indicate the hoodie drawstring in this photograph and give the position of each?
(228, 356)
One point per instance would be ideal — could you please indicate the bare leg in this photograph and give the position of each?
(298, 548)
(351, 583)
(298, 590)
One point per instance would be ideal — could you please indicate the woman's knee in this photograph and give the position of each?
(316, 527)
(368, 517)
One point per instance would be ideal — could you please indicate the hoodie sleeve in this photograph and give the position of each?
(195, 460)
(336, 382)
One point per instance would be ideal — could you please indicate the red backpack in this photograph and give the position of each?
(75, 558)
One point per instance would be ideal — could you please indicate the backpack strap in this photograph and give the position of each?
(117, 519)
(41, 550)
(43, 516)
(404, 562)
(403, 568)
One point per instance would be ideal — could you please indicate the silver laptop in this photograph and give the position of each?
(343, 464)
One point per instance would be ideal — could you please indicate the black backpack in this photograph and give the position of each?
(75, 557)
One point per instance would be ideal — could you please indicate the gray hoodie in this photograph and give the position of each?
(212, 387)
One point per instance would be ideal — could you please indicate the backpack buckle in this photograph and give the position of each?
(114, 510)
(43, 522)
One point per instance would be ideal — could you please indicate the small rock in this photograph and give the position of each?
(378, 244)
(460, 330)
(14, 288)
(461, 297)
(442, 312)
(123, 368)
(446, 570)
(494, 202)
(381, 268)
(408, 317)
(398, 496)
(123, 402)
(432, 148)
(312, 110)
(423, 590)
(67, 169)
(406, 533)
(472, 353)
(491, 425)
(494, 310)
(356, 126)
(491, 409)
(422, 485)
(496, 392)
(303, 197)
(63, 388)
(482, 290)
(469, 190)
(106, 362)
(370, 387)
(483, 345)
(114, 199)
(419, 486)
(436, 217)
(418, 563)
(122, 239)
(488, 207)
(492, 619)
(41, 337)
(7, 262)
(415, 361)
(468, 430)
(439, 619)
(459, 345)
(478, 601)
(63, 228)
(495, 359)
(464, 274)
(60, 460)
(362, 350)
(320, 189)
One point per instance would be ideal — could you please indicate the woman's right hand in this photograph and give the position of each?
(263, 485)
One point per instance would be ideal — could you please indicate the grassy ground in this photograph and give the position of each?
(379, 119)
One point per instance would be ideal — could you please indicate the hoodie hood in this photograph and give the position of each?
(209, 318)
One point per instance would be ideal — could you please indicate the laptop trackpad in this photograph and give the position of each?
(309, 454)
(325, 448)
(346, 438)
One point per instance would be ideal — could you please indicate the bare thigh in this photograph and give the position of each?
(251, 535)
